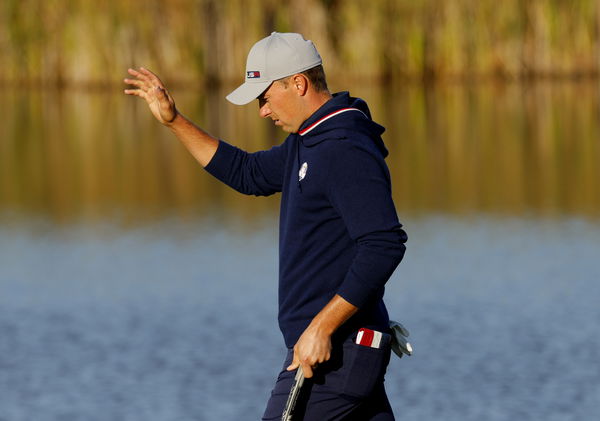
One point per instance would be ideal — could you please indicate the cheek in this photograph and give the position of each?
(286, 110)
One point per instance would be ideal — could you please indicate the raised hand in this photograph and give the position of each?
(150, 87)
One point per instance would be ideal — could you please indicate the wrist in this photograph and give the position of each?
(177, 119)
(332, 316)
(322, 326)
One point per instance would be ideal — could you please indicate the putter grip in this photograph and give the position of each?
(293, 396)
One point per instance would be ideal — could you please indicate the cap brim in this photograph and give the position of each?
(247, 92)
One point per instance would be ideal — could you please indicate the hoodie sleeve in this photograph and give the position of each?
(359, 189)
(259, 173)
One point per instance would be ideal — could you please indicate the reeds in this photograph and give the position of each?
(80, 42)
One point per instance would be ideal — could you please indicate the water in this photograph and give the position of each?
(137, 325)
(135, 287)
(504, 313)
(165, 323)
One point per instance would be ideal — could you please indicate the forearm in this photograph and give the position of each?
(333, 315)
(199, 143)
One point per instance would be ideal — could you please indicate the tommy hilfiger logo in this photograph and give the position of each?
(302, 172)
(253, 74)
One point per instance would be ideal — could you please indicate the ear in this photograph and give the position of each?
(300, 84)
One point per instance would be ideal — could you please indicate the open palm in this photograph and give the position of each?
(150, 87)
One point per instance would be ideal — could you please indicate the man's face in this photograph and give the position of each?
(280, 103)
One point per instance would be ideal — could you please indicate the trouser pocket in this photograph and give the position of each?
(364, 367)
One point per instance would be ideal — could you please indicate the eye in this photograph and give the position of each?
(262, 101)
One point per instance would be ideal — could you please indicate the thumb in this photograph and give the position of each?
(163, 96)
(166, 104)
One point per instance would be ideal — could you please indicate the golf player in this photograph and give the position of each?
(339, 236)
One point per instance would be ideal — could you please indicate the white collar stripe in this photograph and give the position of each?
(327, 117)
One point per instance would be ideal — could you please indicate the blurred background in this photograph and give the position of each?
(134, 286)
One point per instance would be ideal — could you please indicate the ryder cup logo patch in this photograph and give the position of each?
(253, 74)
(302, 172)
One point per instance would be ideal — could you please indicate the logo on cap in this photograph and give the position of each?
(252, 75)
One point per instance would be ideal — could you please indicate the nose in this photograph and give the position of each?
(263, 109)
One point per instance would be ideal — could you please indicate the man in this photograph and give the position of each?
(340, 239)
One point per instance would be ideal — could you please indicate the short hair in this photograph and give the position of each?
(316, 77)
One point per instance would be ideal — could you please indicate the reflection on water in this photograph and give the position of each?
(498, 149)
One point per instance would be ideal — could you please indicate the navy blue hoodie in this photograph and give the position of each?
(339, 232)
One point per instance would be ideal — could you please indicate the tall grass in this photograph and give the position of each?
(67, 42)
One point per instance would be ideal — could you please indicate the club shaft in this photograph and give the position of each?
(293, 396)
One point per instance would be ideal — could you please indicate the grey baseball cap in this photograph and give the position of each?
(272, 58)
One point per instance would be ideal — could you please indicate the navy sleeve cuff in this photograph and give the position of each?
(221, 162)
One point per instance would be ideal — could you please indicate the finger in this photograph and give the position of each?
(307, 370)
(135, 73)
(144, 79)
(134, 82)
(151, 76)
(294, 365)
(135, 92)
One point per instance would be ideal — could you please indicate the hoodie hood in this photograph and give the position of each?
(342, 116)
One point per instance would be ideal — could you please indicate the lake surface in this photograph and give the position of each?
(135, 287)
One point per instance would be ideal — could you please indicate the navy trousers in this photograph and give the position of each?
(347, 387)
